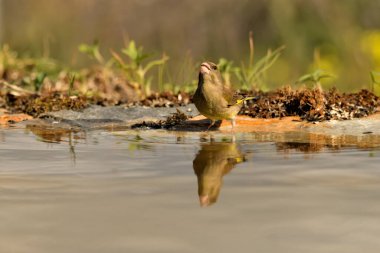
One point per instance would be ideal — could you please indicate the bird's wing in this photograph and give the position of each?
(230, 96)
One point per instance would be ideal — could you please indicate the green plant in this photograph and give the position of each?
(71, 84)
(181, 77)
(39, 81)
(315, 77)
(134, 68)
(225, 68)
(374, 80)
(7, 58)
(28, 72)
(92, 50)
(11, 60)
(252, 75)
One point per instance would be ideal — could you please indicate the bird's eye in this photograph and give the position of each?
(214, 67)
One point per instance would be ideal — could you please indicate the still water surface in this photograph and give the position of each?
(158, 191)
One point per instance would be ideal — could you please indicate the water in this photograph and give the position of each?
(158, 191)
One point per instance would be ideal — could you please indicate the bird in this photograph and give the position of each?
(214, 99)
(213, 161)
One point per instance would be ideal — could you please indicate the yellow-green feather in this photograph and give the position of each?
(239, 101)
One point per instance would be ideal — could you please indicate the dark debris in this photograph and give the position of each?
(35, 105)
(175, 120)
(311, 105)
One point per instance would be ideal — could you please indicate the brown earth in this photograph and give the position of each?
(306, 104)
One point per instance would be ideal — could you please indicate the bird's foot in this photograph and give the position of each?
(212, 123)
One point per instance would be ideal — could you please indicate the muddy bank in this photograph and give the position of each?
(308, 104)
(282, 110)
(116, 117)
(185, 119)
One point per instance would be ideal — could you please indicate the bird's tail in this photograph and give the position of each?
(239, 101)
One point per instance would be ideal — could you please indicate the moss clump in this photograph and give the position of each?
(35, 105)
(176, 119)
(311, 105)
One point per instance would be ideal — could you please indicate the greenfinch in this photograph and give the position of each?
(213, 98)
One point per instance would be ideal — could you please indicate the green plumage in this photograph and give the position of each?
(213, 99)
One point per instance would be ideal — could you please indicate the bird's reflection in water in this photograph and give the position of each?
(213, 161)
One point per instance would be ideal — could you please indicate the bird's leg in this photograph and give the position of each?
(233, 122)
(212, 123)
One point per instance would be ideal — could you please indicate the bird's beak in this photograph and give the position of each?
(205, 68)
(204, 200)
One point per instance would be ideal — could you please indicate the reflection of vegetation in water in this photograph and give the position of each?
(53, 135)
(317, 143)
(137, 144)
(213, 161)
(73, 155)
(58, 135)
(133, 146)
(308, 148)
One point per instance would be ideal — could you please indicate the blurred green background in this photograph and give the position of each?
(342, 37)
